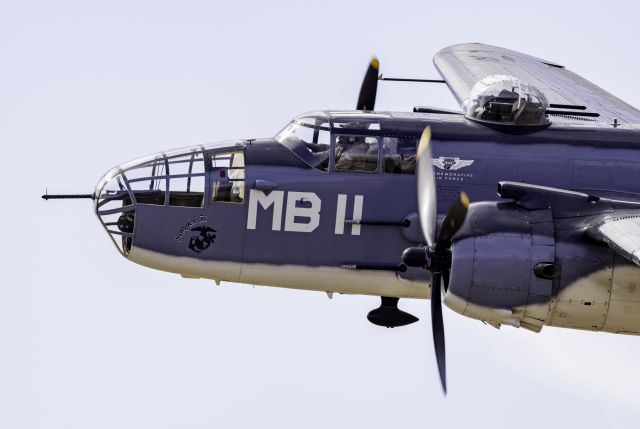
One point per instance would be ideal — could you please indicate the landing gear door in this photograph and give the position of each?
(227, 208)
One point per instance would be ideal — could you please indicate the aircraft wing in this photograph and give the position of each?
(462, 66)
(622, 234)
(613, 221)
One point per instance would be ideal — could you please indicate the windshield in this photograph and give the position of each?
(308, 137)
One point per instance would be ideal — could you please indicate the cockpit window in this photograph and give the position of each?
(399, 154)
(356, 153)
(309, 138)
(353, 141)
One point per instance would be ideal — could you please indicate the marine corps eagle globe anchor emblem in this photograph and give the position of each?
(202, 241)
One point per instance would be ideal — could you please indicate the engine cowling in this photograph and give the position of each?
(503, 265)
(529, 267)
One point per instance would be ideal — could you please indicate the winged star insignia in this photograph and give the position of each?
(449, 163)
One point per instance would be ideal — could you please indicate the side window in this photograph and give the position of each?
(176, 179)
(186, 179)
(399, 154)
(227, 174)
(148, 181)
(356, 153)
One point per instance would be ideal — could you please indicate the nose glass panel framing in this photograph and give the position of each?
(173, 178)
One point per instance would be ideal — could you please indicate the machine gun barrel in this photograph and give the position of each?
(68, 196)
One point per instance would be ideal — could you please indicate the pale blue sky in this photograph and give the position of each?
(89, 340)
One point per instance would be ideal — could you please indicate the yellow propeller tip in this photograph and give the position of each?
(464, 199)
(424, 141)
(375, 63)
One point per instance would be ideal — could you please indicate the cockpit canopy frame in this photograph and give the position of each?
(314, 136)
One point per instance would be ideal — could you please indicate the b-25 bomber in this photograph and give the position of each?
(404, 204)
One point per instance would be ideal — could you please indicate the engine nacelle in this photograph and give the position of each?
(519, 267)
(503, 265)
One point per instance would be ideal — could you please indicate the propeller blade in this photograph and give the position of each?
(437, 325)
(453, 221)
(369, 88)
(446, 275)
(426, 187)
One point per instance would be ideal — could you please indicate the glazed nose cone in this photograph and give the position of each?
(114, 208)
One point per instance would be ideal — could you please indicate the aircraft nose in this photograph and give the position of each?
(114, 208)
(167, 178)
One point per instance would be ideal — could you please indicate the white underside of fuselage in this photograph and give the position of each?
(600, 301)
(323, 279)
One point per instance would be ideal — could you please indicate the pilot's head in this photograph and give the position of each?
(344, 141)
(348, 140)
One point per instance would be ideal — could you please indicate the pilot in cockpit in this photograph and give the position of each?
(355, 153)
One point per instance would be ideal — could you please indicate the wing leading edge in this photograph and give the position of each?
(615, 222)
(464, 65)
(622, 234)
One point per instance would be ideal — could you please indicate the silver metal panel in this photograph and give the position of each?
(622, 234)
